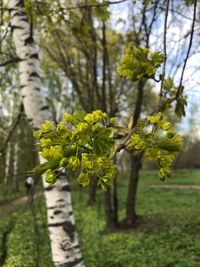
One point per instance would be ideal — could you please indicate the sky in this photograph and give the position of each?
(176, 52)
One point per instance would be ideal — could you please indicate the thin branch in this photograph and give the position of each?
(179, 13)
(10, 61)
(152, 21)
(165, 52)
(12, 129)
(190, 43)
(106, 3)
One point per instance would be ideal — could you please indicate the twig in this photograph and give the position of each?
(12, 129)
(10, 61)
(190, 44)
(165, 50)
(106, 3)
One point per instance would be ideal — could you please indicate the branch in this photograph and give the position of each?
(12, 129)
(10, 61)
(165, 56)
(190, 44)
(106, 3)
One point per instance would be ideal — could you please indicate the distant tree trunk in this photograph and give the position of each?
(111, 223)
(135, 161)
(131, 215)
(7, 163)
(64, 241)
(92, 191)
(15, 166)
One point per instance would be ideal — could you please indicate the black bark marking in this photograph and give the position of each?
(70, 213)
(52, 217)
(28, 40)
(44, 108)
(62, 206)
(68, 228)
(24, 19)
(14, 27)
(34, 74)
(51, 208)
(37, 89)
(71, 263)
(56, 212)
(65, 188)
(17, 13)
(49, 188)
(35, 55)
(20, 3)
(61, 200)
(30, 119)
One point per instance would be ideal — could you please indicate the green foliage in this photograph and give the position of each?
(166, 235)
(82, 143)
(180, 106)
(158, 144)
(24, 245)
(139, 62)
(86, 144)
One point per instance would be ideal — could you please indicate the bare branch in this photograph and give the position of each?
(12, 129)
(190, 43)
(10, 61)
(165, 52)
(79, 6)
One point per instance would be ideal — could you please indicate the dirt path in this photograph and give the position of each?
(10, 207)
(176, 186)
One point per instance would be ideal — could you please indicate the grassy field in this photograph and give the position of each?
(169, 235)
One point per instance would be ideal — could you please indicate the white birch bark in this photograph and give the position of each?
(15, 164)
(7, 163)
(63, 236)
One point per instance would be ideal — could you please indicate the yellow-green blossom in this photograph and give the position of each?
(63, 162)
(61, 127)
(46, 126)
(83, 179)
(113, 120)
(46, 153)
(89, 118)
(45, 142)
(82, 127)
(56, 152)
(73, 163)
(67, 117)
(50, 176)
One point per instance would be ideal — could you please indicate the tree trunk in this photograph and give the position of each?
(109, 211)
(131, 215)
(64, 242)
(135, 161)
(15, 166)
(92, 191)
(7, 164)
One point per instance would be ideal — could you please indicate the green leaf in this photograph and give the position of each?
(168, 84)
(41, 168)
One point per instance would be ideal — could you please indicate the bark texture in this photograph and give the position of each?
(63, 236)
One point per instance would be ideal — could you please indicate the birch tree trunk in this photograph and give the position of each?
(15, 164)
(63, 236)
(7, 164)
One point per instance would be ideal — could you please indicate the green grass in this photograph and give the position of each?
(8, 194)
(27, 241)
(168, 236)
